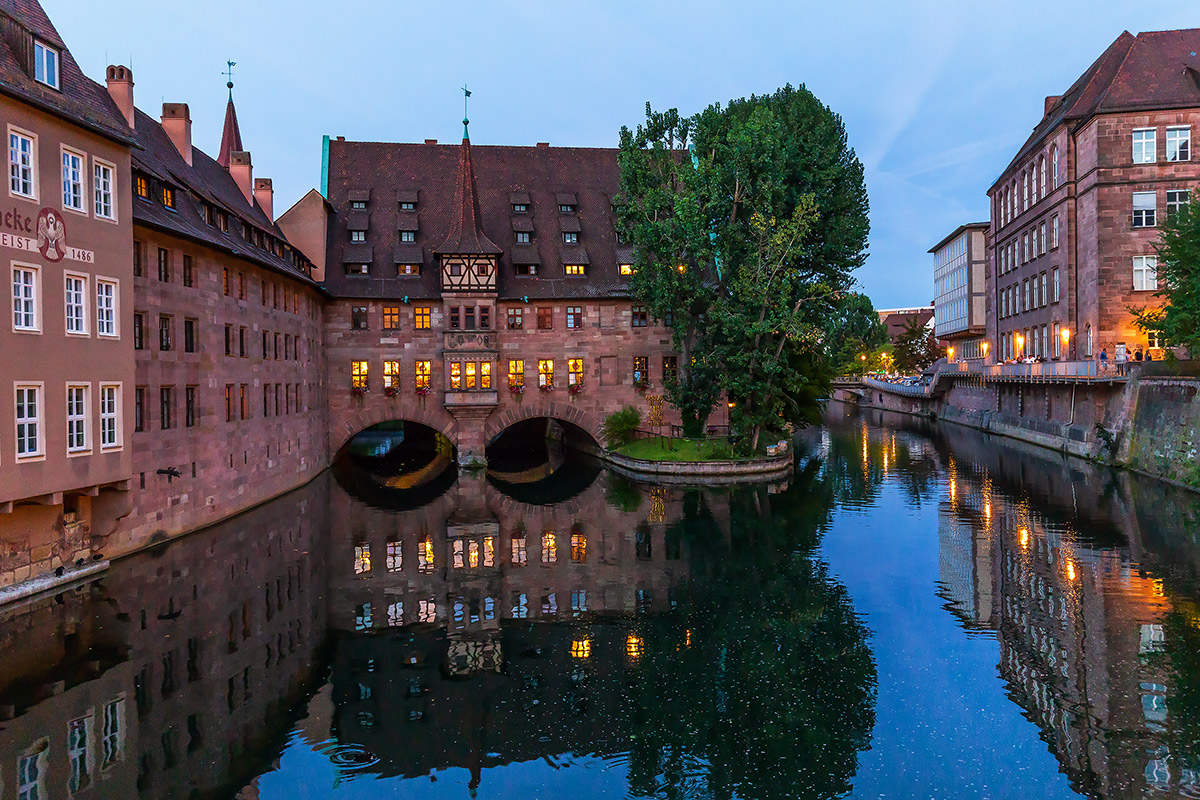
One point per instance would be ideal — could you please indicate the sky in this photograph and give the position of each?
(936, 96)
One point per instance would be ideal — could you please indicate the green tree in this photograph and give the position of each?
(916, 348)
(746, 222)
(1178, 320)
(855, 330)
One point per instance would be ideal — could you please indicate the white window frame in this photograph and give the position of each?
(1056, 285)
(1054, 164)
(48, 61)
(83, 297)
(1183, 144)
(102, 195)
(14, 163)
(110, 414)
(1149, 138)
(80, 759)
(74, 180)
(358, 237)
(111, 330)
(78, 414)
(112, 738)
(1042, 243)
(1054, 232)
(36, 787)
(1179, 204)
(36, 299)
(37, 421)
(1145, 209)
(1145, 268)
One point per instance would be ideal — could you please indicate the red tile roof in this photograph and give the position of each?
(231, 134)
(389, 173)
(466, 238)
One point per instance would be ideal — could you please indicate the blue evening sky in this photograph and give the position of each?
(936, 96)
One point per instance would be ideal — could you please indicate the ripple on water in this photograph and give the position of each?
(352, 757)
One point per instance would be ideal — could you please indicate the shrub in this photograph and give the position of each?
(619, 427)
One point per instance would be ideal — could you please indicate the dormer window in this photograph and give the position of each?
(626, 269)
(408, 269)
(358, 269)
(520, 208)
(45, 64)
(141, 187)
(357, 205)
(358, 236)
(567, 208)
(570, 237)
(168, 197)
(408, 206)
(523, 237)
(408, 236)
(576, 269)
(526, 270)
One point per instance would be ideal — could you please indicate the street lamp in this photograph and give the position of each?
(1066, 337)
(863, 357)
(984, 345)
(949, 353)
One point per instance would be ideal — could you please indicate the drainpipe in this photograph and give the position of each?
(1071, 421)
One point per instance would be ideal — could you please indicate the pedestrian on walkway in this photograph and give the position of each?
(1122, 358)
(1104, 359)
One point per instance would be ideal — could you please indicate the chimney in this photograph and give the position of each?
(242, 172)
(1050, 101)
(264, 194)
(177, 124)
(543, 144)
(120, 88)
(431, 141)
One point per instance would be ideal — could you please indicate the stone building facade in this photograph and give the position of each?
(960, 261)
(474, 287)
(228, 403)
(65, 357)
(1074, 216)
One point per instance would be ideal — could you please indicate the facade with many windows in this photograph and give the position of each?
(65, 356)
(474, 287)
(959, 264)
(1075, 216)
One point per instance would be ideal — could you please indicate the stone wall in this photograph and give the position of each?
(1163, 434)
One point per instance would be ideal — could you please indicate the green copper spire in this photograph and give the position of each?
(466, 94)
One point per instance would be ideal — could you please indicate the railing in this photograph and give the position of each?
(1043, 369)
(920, 390)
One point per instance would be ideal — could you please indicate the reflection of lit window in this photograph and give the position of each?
(425, 555)
(687, 638)
(1154, 705)
(581, 648)
(579, 601)
(489, 608)
(396, 614)
(1158, 774)
(644, 603)
(578, 547)
(362, 617)
(30, 778)
(520, 606)
(473, 555)
(79, 735)
(518, 551)
(489, 551)
(549, 604)
(456, 550)
(427, 611)
(643, 544)
(362, 558)
(549, 548)
(1152, 639)
(112, 736)
(633, 645)
(395, 556)
(459, 609)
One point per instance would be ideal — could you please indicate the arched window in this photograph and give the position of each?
(1042, 170)
(1033, 176)
(1088, 341)
(1024, 190)
(1016, 199)
(1054, 164)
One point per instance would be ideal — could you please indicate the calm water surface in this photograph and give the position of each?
(918, 612)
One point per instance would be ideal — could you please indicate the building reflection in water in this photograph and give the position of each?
(1088, 578)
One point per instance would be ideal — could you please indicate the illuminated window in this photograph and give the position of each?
(457, 554)
(519, 558)
(489, 551)
(396, 614)
(425, 555)
(516, 374)
(581, 648)
(670, 369)
(142, 187)
(358, 374)
(362, 559)
(471, 368)
(408, 269)
(427, 611)
(473, 555)
(391, 318)
(641, 369)
(549, 548)
(456, 375)
(576, 269)
(574, 371)
(391, 374)
(423, 370)
(423, 318)
(485, 375)
(168, 197)
(546, 373)
(578, 548)
(626, 269)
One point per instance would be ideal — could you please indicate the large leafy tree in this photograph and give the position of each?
(916, 347)
(747, 221)
(855, 330)
(1178, 320)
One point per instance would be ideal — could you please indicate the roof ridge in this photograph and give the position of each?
(1108, 87)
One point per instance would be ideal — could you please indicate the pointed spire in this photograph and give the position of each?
(231, 136)
(466, 236)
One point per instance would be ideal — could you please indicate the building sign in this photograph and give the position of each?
(51, 231)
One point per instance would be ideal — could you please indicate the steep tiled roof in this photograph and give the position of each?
(389, 173)
(1153, 70)
(466, 238)
(231, 134)
(209, 181)
(80, 101)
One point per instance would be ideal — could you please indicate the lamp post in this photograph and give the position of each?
(1066, 340)
(863, 357)
(950, 354)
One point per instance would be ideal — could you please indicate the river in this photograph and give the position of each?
(920, 611)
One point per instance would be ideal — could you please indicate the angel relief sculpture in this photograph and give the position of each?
(51, 235)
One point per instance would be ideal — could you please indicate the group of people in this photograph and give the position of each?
(1122, 358)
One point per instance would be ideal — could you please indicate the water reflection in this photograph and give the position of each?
(574, 632)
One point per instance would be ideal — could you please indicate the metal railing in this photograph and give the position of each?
(1043, 369)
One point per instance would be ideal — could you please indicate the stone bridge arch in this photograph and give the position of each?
(560, 411)
(348, 423)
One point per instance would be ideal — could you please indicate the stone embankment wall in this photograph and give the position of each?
(1149, 424)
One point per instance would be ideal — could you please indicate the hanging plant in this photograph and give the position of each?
(577, 388)
(391, 391)
(422, 391)
(547, 387)
(358, 391)
(516, 388)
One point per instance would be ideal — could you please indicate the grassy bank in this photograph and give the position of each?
(661, 448)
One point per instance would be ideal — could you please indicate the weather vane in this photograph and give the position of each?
(466, 94)
(228, 73)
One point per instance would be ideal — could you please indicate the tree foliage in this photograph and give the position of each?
(1178, 320)
(916, 348)
(746, 221)
(855, 330)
